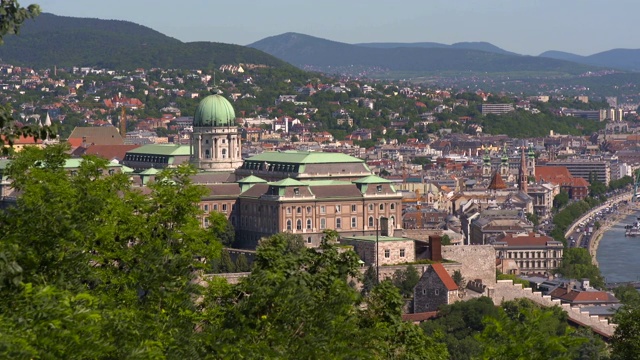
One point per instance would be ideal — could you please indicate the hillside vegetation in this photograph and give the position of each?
(66, 41)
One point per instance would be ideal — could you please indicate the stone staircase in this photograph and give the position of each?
(506, 290)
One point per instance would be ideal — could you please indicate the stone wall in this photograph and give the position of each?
(386, 272)
(232, 278)
(506, 290)
(478, 261)
(430, 293)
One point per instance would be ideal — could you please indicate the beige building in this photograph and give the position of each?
(533, 253)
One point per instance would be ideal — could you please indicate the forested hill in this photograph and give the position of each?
(67, 41)
(320, 54)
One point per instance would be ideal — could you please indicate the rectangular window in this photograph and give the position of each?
(338, 223)
(387, 253)
(436, 292)
(338, 209)
(224, 207)
(288, 209)
(206, 208)
(323, 223)
(354, 208)
(370, 207)
(309, 240)
(379, 188)
(354, 222)
(215, 207)
(322, 209)
(401, 252)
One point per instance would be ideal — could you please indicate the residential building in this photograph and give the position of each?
(497, 109)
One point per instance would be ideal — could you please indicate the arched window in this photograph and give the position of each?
(289, 224)
(308, 209)
(381, 207)
(298, 224)
(371, 221)
(309, 224)
(393, 206)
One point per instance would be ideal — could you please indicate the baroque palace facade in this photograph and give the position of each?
(298, 192)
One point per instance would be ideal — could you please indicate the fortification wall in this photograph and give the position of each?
(505, 290)
(478, 261)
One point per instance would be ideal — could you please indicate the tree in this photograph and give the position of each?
(226, 265)
(242, 265)
(625, 342)
(405, 280)
(577, 264)
(446, 240)
(96, 266)
(528, 332)
(221, 228)
(561, 200)
(458, 279)
(370, 280)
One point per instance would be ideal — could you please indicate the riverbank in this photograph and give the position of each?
(623, 211)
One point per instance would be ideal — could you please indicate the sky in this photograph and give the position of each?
(523, 26)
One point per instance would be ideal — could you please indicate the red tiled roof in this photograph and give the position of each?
(553, 174)
(529, 240)
(444, 277)
(496, 182)
(109, 151)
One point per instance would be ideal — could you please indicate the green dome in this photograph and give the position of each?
(214, 110)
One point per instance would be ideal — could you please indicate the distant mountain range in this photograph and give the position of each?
(481, 46)
(68, 41)
(307, 51)
(625, 59)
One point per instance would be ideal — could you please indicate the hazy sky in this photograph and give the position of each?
(523, 26)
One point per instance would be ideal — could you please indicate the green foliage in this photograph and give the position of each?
(533, 218)
(14, 16)
(597, 188)
(577, 264)
(627, 295)
(458, 278)
(370, 280)
(523, 124)
(242, 264)
(67, 41)
(446, 240)
(226, 265)
(406, 280)
(625, 342)
(459, 323)
(527, 332)
(221, 228)
(561, 200)
(620, 183)
(96, 266)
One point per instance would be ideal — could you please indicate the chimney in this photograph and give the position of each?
(435, 245)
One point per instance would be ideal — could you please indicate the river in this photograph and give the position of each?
(618, 255)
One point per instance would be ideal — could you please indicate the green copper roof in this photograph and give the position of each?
(150, 171)
(288, 182)
(127, 170)
(251, 179)
(162, 149)
(214, 110)
(371, 179)
(304, 157)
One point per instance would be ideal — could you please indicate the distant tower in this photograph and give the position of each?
(123, 122)
(486, 165)
(523, 176)
(215, 141)
(504, 163)
(531, 161)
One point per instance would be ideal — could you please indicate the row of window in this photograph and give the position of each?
(205, 207)
(387, 253)
(338, 208)
(338, 225)
(530, 255)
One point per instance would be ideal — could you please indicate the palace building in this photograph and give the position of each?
(300, 192)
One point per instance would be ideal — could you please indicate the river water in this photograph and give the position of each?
(618, 256)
